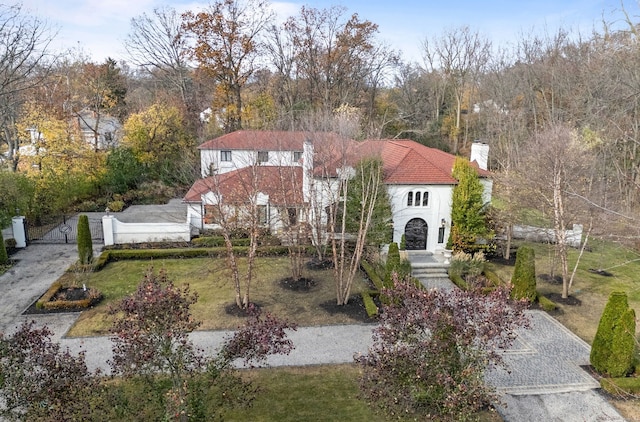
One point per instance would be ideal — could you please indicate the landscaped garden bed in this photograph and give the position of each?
(65, 298)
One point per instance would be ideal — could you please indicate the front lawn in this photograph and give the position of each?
(210, 278)
(590, 289)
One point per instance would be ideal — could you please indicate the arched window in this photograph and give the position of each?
(418, 199)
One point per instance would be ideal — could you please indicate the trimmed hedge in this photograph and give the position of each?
(179, 253)
(369, 305)
(492, 277)
(45, 301)
(621, 386)
(218, 241)
(546, 303)
(372, 274)
(458, 280)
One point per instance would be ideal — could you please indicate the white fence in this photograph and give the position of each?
(538, 234)
(117, 232)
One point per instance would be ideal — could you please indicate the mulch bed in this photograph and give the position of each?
(569, 301)
(354, 309)
(555, 280)
(301, 285)
(233, 309)
(601, 272)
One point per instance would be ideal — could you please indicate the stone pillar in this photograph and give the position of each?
(19, 234)
(107, 230)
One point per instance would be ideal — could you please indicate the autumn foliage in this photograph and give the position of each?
(431, 350)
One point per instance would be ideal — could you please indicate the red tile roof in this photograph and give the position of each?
(282, 184)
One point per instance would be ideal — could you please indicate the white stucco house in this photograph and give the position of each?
(293, 176)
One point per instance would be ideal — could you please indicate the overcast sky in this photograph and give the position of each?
(99, 27)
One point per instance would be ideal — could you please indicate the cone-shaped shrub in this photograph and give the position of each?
(85, 245)
(623, 345)
(4, 258)
(601, 348)
(393, 264)
(524, 274)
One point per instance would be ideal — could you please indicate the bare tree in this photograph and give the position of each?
(157, 44)
(460, 56)
(554, 169)
(25, 61)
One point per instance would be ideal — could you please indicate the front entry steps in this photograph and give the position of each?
(431, 269)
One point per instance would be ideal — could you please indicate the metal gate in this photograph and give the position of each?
(61, 229)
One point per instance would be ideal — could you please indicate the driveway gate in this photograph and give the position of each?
(61, 229)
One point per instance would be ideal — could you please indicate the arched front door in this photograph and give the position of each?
(415, 234)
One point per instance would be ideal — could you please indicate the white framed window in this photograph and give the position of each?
(263, 214)
(263, 156)
(225, 155)
(297, 156)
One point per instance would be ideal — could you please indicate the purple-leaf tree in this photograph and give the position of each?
(432, 348)
(261, 336)
(151, 337)
(39, 381)
(151, 331)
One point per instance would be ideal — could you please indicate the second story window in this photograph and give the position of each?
(297, 156)
(263, 156)
(225, 155)
(418, 199)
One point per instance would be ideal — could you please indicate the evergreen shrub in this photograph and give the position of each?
(601, 349)
(523, 280)
(85, 245)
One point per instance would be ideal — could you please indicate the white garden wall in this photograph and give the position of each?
(117, 232)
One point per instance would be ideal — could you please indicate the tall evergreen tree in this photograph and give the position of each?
(467, 207)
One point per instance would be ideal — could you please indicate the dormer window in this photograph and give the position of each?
(418, 199)
(225, 155)
(263, 156)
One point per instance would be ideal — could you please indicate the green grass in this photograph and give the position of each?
(324, 393)
(211, 279)
(591, 289)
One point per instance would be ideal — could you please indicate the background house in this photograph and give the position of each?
(294, 176)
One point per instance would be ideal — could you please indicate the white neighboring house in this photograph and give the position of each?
(100, 130)
(418, 180)
(108, 133)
